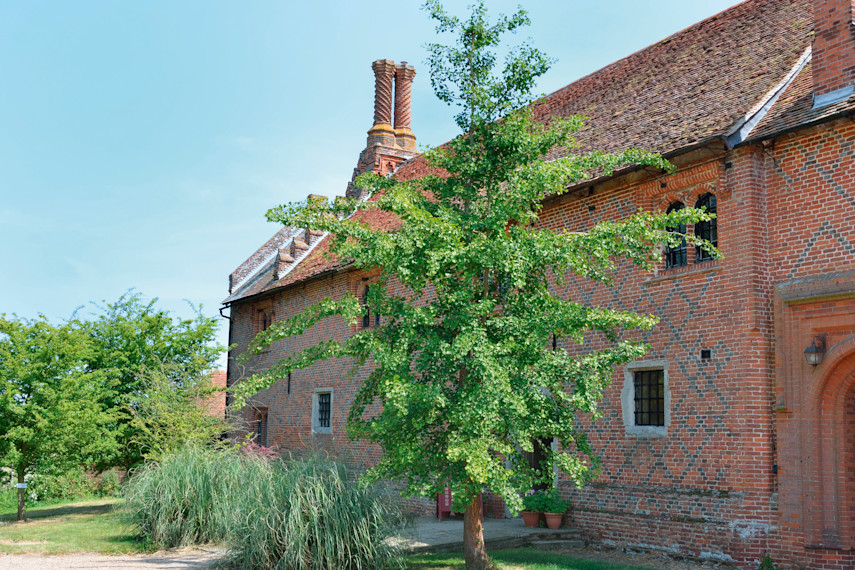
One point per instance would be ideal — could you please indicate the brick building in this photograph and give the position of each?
(741, 446)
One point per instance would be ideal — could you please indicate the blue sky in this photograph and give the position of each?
(142, 142)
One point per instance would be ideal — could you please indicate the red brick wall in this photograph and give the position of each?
(705, 489)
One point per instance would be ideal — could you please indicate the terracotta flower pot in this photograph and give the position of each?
(531, 519)
(553, 520)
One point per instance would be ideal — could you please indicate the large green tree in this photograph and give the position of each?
(462, 363)
(52, 411)
(134, 341)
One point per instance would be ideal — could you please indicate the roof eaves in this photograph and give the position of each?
(742, 128)
(266, 292)
(846, 112)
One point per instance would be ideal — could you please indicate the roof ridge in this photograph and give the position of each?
(654, 44)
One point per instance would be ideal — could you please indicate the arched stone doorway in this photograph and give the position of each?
(813, 483)
(834, 481)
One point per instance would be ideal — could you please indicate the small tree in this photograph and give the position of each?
(170, 415)
(51, 410)
(462, 362)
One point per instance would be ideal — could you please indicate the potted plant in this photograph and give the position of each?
(533, 505)
(554, 507)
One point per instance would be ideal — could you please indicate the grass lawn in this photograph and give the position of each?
(87, 526)
(514, 559)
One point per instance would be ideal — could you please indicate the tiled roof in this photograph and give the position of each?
(692, 86)
(687, 89)
(795, 108)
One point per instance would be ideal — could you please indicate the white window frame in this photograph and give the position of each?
(316, 427)
(627, 397)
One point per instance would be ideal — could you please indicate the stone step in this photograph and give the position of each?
(558, 534)
(544, 539)
(557, 544)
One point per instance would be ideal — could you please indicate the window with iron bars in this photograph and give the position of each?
(649, 398)
(324, 409)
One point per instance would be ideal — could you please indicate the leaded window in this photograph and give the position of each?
(706, 230)
(675, 256)
(649, 398)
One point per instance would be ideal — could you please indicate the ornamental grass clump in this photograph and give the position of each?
(296, 514)
(312, 514)
(188, 497)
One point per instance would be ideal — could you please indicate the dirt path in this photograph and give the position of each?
(173, 559)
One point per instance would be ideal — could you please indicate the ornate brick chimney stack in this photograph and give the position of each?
(382, 132)
(833, 53)
(404, 75)
(388, 146)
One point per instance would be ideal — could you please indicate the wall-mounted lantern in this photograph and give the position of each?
(816, 350)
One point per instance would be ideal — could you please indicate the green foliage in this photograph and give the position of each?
(308, 513)
(554, 503)
(108, 484)
(72, 483)
(67, 391)
(462, 363)
(134, 341)
(535, 501)
(52, 416)
(187, 498)
(767, 564)
(544, 502)
(173, 414)
(311, 513)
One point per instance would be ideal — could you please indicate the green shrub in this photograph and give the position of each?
(310, 514)
(8, 497)
(71, 484)
(108, 484)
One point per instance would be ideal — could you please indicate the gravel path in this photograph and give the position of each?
(172, 559)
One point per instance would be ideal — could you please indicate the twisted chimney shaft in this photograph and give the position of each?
(384, 73)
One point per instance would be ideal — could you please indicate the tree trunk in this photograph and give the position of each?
(22, 492)
(474, 551)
